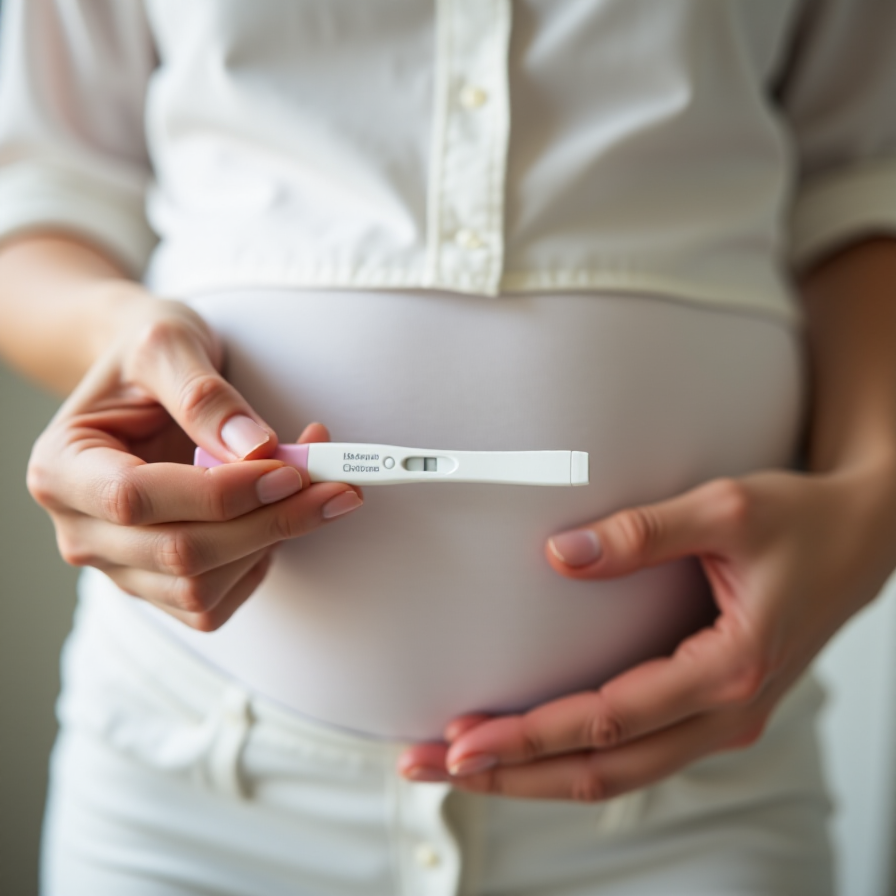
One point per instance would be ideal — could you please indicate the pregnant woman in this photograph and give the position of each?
(653, 232)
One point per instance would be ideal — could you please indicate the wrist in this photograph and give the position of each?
(60, 301)
(112, 306)
(864, 511)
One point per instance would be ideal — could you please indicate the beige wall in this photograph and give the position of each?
(36, 603)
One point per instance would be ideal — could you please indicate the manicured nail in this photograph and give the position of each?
(422, 773)
(242, 435)
(278, 484)
(344, 503)
(577, 548)
(472, 765)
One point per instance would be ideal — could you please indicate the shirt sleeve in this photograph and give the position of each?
(73, 156)
(839, 95)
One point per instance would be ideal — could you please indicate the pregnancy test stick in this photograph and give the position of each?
(363, 464)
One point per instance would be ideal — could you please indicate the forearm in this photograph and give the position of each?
(60, 302)
(850, 303)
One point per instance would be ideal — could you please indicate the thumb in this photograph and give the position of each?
(173, 362)
(694, 523)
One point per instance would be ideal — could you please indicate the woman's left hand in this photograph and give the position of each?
(790, 557)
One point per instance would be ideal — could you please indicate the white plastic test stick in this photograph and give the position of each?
(363, 464)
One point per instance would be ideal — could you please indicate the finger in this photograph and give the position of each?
(712, 669)
(590, 776)
(172, 362)
(193, 548)
(213, 619)
(122, 489)
(461, 724)
(191, 597)
(424, 762)
(314, 432)
(698, 522)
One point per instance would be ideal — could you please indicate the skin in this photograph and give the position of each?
(790, 556)
(113, 468)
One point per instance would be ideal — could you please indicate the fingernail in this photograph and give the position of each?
(577, 548)
(341, 504)
(242, 435)
(278, 484)
(472, 765)
(421, 773)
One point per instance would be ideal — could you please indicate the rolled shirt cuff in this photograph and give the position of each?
(837, 208)
(35, 196)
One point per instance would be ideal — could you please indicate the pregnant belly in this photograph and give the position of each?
(433, 600)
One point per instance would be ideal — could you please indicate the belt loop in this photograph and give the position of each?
(621, 813)
(232, 721)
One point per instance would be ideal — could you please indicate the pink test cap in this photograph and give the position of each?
(294, 455)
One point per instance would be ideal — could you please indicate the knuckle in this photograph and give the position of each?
(603, 727)
(205, 622)
(731, 500)
(157, 334)
(750, 734)
(177, 554)
(493, 782)
(154, 342)
(193, 595)
(220, 506)
(122, 501)
(155, 339)
(746, 682)
(638, 530)
(71, 551)
(283, 526)
(37, 481)
(199, 392)
(533, 745)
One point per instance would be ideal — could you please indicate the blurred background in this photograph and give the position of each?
(37, 598)
(36, 604)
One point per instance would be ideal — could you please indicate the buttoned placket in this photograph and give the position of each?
(428, 853)
(468, 161)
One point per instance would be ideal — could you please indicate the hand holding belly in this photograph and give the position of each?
(789, 557)
(113, 470)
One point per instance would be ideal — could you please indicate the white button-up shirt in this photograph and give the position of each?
(698, 149)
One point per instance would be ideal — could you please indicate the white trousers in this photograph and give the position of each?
(169, 778)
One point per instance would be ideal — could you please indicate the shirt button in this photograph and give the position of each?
(468, 239)
(426, 856)
(472, 97)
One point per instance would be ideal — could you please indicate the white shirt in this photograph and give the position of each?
(697, 149)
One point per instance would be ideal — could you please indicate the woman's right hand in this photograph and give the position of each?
(114, 471)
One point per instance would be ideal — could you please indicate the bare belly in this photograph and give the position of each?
(433, 600)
